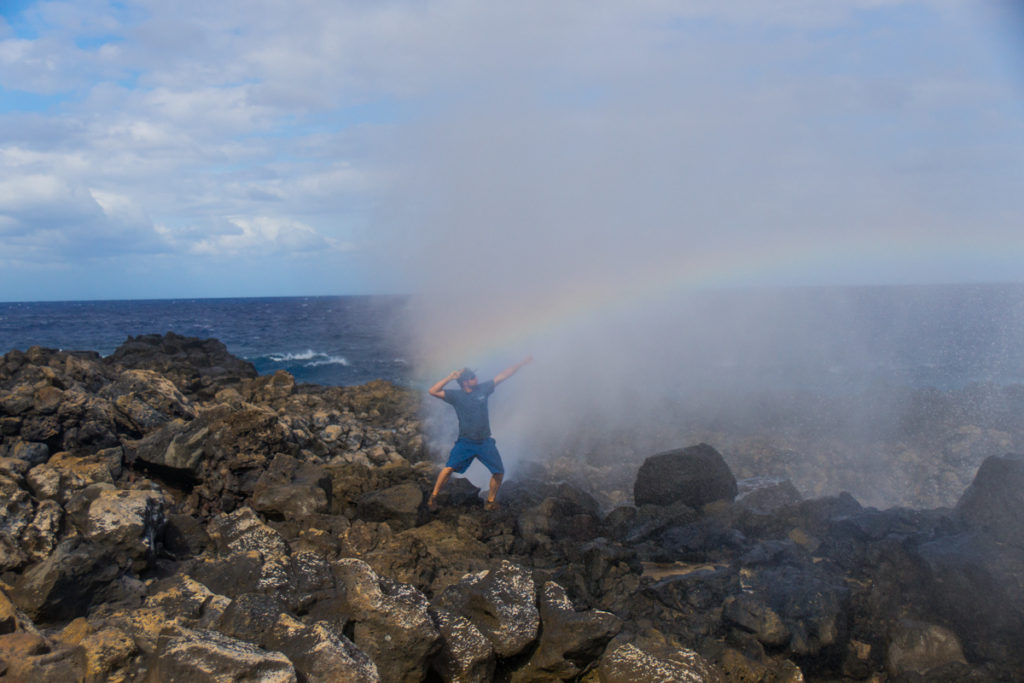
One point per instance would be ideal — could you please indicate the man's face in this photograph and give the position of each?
(469, 384)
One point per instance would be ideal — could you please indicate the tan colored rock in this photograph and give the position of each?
(40, 537)
(46, 400)
(211, 656)
(242, 531)
(916, 647)
(129, 520)
(64, 474)
(319, 654)
(107, 651)
(180, 596)
(627, 663)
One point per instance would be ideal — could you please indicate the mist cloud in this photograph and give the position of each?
(591, 192)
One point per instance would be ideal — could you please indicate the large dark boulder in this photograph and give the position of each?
(695, 476)
(292, 489)
(76, 576)
(994, 502)
(396, 505)
(811, 604)
(976, 585)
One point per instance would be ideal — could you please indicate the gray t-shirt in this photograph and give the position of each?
(471, 409)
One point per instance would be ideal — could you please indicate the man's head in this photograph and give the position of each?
(467, 379)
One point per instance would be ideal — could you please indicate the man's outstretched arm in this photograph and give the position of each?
(508, 372)
(438, 389)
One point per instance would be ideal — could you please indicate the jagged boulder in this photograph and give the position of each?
(269, 388)
(808, 605)
(917, 648)
(180, 596)
(16, 513)
(109, 651)
(319, 653)
(292, 489)
(973, 583)
(176, 445)
(466, 655)
(147, 400)
(430, 557)
(242, 531)
(250, 616)
(77, 575)
(199, 366)
(32, 452)
(124, 522)
(397, 505)
(764, 495)
(390, 621)
(500, 602)
(26, 656)
(694, 476)
(994, 502)
(200, 655)
(64, 475)
(627, 663)
(569, 642)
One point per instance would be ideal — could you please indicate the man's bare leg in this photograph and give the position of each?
(442, 477)
(493, 492)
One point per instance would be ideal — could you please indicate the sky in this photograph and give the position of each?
(206, 149)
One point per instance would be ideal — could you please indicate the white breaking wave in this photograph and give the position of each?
(328, 360)
(315, 358)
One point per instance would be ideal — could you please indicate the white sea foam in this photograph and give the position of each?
(314, 358)
(329, 360)
(308, 354)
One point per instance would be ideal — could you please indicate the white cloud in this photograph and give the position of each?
(264, 234)
(204, 127)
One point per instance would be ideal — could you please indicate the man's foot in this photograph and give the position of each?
(432, 504)
(491, 505)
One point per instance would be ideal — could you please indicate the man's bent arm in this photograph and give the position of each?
(438, 389)
(505, 374)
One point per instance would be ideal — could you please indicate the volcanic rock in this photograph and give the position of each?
(318, 653)
(693, 476)
(627, 663)
(569, 640)
(500, 602)
(993, 502)
(292, 489)
(389, 621)
(398, 505)
(147, 400)
(77, 575)
(466, 655)
(200, 366)
(208, 655)
(917, 648)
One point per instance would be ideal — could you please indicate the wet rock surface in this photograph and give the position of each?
(166, 514)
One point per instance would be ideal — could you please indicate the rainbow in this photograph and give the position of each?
(847, 262)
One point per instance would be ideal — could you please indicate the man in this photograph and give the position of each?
(470, 403)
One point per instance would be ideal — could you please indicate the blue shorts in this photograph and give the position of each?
(465, 450)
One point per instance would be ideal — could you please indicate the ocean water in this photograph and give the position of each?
(939, 336)
(322, 340)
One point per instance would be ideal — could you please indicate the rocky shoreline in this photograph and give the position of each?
(167, 514)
